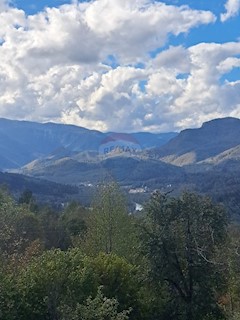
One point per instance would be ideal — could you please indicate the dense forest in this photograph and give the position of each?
(178, 259)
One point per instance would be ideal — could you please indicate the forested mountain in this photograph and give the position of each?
(215, 143)
(214, 146)
(22, 141)
(206, 159)
(44, 191)
(125, 170)
(195, 145)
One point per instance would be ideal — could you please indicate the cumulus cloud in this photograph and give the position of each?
(165, 91)
(89, 64)
(204, 93)
(110, 99)
(137, 27)
(232, 9)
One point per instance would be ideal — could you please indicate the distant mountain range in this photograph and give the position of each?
(22, 142)
(214, 146)
(205, 159)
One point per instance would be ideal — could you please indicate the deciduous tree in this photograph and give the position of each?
(182, 238)
(110, 228)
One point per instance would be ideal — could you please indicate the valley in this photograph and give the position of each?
(205, 159)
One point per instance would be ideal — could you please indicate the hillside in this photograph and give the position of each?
(22, 141)
(214, 146)
(44, 191)
(206, 160)
(126, 170)
(192, 146)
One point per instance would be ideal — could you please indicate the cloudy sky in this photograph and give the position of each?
(122, 65)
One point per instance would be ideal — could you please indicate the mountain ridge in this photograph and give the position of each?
(194, 150)
(205, 159)
(194, 145)
(23, 141)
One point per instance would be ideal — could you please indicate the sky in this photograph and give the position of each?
(120, 65)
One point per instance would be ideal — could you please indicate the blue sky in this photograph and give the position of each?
(120, 65)
(32, 7)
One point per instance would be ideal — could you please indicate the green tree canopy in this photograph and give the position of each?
(182, 238)
(110, 227)
(18, 226)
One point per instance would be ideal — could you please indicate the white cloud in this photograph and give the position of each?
(53, 67)
(232, 9)
(108, 98)
(228, 64)
(177, 94)
(205, 94)
(137, 27)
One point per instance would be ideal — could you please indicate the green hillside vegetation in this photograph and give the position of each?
(178, 260)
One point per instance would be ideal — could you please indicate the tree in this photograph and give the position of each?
(119, 279)
(181, 238)
(51, 280)
(54, 233)
(110, 228)
(18, 226)
(65, 280)
(98, 308)
(27, 198)
(230, 300)
(73, 219)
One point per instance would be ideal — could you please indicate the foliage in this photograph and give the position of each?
(119, 279)
(90, 264)
(58, 280)
(54, 278)
(98, 308)
(18, 226)
(181, 239)
(54, 233)
(110, 228)
(27, 198)
(73, 220)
